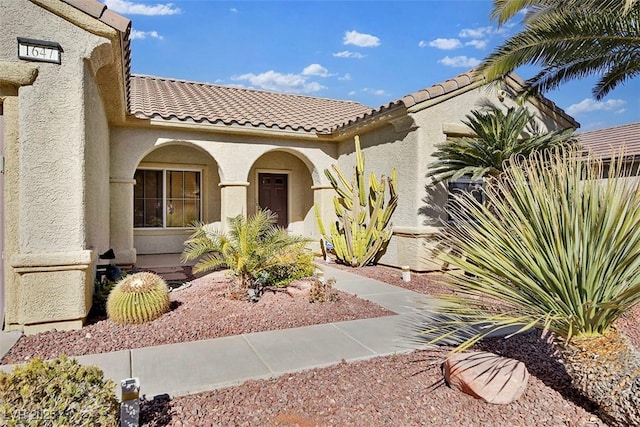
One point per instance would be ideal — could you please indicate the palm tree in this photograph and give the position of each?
(253, 248)
(570, 39)
(558, 250)
(499, 135)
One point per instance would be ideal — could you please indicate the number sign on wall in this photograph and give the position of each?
(39, 50)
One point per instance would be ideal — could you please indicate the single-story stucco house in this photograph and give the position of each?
(98, 158)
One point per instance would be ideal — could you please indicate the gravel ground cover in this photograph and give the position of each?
(198, 312)
(398, 390)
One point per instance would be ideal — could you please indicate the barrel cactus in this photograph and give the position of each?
(138, 298)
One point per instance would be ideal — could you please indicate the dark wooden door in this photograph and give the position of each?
(272, 195)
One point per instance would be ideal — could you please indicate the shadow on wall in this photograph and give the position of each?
(434, 208)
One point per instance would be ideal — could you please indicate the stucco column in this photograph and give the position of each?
(12, 76)
(233, 200)
(121, 219)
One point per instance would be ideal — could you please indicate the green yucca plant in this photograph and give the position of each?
(252, 249)
(557, 248)
(138, 298)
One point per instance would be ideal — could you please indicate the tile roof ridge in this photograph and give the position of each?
(245, 89)
(625, 125)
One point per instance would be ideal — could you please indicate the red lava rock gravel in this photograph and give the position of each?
(198, 312)
(399, 390)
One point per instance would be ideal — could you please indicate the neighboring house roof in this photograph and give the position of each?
(604, 142)
(201, 102)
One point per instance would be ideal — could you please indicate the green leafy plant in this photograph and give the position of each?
(255, 249)
(569, 39)
(294, 263)
(558, 250)
(57, 393)
(322, 291)
(498, 136)
(138, 298)
(101, 292)
(364, 228)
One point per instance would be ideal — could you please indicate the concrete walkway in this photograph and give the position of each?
(191, 367)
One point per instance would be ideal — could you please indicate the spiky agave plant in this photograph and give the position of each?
(138, 298)
(557, 249)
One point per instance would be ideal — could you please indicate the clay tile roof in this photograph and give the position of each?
(202, 102)
(99, 11)
(603, 142)
(450, 85)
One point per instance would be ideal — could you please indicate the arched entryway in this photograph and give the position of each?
(282, 182)
(175, 186)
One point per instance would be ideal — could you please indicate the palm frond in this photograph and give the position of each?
(571, 41)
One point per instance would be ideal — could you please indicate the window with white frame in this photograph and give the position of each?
(166, 198)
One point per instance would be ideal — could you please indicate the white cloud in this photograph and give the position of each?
(234, 10)
(478, 44)
(360, 39)
(445, 44)
(459, 61)
(272, 80)
(345, 77)
(141, 35)
(589, 105)
(422, 43)
(481, 32)
(315, 70)
(376, 92)
(130, 8)
(348, 54)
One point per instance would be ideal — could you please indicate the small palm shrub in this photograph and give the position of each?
(257, 252)
(138, 298)
(557, 248)
(57, 393)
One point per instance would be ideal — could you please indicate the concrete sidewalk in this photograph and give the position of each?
(191, 367)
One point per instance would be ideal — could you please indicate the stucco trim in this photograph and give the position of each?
(52, 261)
(456, 129)
(233, 184)
(415, 232)
(122, 181)
(17, 73)
(233, 129)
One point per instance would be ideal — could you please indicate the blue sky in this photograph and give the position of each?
(372, 52)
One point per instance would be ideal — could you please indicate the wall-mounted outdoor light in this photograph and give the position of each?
(39, 50)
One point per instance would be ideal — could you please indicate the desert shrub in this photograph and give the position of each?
(139, 298)
(322, 291)
(100, 297)
(294, 265)
(57, 393)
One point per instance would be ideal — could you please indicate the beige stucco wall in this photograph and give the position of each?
(50, 257)
(408, 145)
(232, 160)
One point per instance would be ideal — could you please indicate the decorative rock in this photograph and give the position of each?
(486, 376)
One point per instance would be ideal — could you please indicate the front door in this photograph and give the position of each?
(272, 195)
